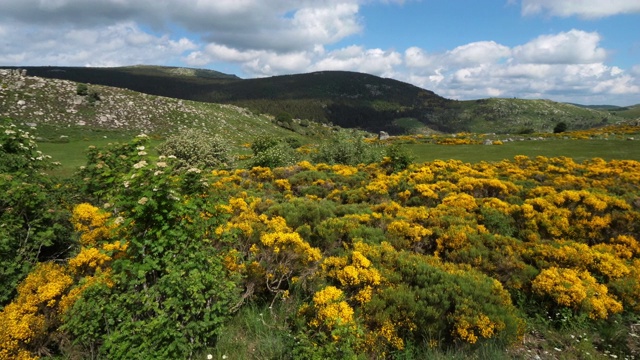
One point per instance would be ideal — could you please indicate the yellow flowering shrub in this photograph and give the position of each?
(469, 328)
(91, 222)
(577, 290)
(355, 272)
(410, 231)
(28, 319)
(330, 309)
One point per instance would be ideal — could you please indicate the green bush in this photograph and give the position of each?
(443, 302)
(398, 158)
(171, 292)
(82, 89)
(284, 118)
(262, 143)
(560, 128)
(34, 223)
(347, 148)
(93, 96)
(278, 155)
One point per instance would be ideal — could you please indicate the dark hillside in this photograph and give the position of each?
(180, 83)
(343, 98)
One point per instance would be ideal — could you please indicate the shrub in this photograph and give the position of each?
(560, 128)
(280, 154)
(93, 96)
(195, 148)
(397, 158)
(262, 143)
(284, 118)
(82, 89)
(171, 292)
(34, 223)
(347, 148)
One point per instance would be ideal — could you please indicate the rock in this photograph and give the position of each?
(488, 142)
(22, 103)
(383, 135)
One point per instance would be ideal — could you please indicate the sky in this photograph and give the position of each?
(580, 51)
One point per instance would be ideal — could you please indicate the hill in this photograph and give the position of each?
(347, 99)
(61, 108)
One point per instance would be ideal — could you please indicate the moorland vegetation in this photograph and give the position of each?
(347, 249)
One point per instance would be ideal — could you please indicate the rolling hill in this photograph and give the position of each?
(60, 110)
(347, 99)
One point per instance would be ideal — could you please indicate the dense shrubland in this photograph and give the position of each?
(354, 255)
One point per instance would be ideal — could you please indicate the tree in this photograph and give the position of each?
(560, 127)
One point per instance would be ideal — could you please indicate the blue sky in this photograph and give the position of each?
(582, 51)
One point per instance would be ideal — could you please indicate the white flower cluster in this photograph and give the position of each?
(140, 165)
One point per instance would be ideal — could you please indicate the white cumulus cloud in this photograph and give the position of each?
(568, 66)
(582, 8)
(574, 46)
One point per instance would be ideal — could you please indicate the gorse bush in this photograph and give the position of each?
(197, 149)
(355, 261)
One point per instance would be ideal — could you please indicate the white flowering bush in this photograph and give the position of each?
(19, 150)
(196, 149)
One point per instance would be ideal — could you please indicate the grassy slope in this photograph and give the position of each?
(345, 98)
(516, 115)
(579, 150)
(629, 112)
(66, 123)
(62, 115)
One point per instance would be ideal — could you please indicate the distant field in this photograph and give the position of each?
(579, 150)
(72, 154)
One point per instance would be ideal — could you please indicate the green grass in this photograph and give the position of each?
(72, 155)
(579, 150)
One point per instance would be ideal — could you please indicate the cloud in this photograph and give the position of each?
(120, 44)
(583, 8)
(265, 38)
(357, 58)
(570, 47)
(570, 66)
(478, 53)
(280, 25)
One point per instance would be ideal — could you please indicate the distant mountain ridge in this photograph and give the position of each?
(347, 99)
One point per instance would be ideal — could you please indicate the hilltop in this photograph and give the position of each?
(347, 99)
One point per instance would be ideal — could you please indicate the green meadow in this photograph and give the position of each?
(71, 154)
(578, 150)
